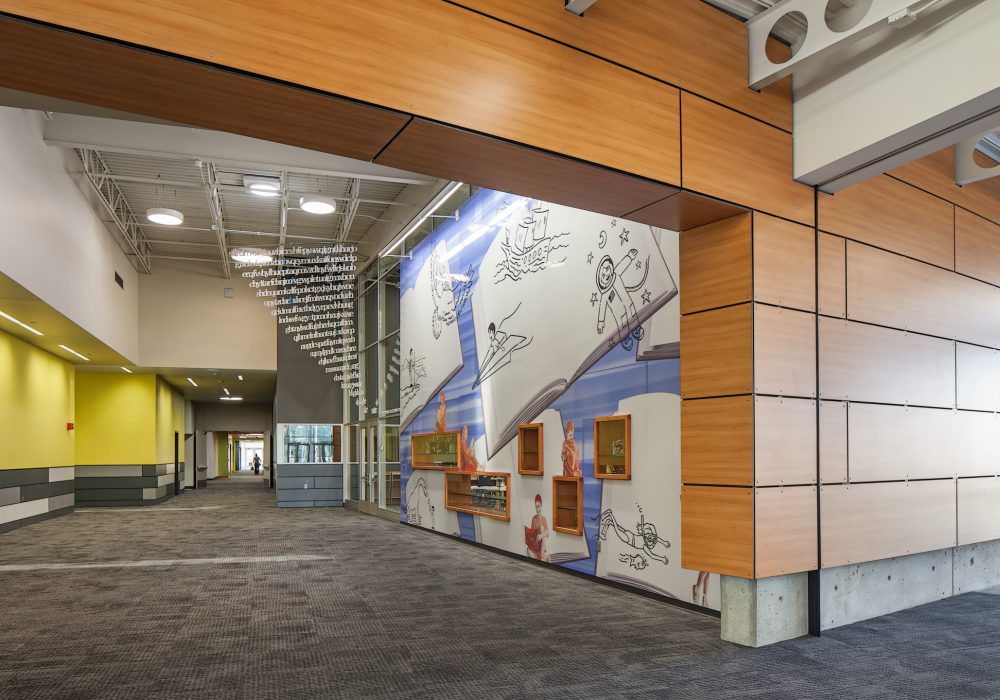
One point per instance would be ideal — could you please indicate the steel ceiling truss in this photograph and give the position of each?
(211, 179)
(350, 209)
(99, 176)
(967, 170)
(823, 35)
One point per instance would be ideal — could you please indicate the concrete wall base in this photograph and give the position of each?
(764, 611)
(862, 591)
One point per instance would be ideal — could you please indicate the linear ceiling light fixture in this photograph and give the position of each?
(227, 391)
(240, 377)
(126, 370)
(25, 326)
(262, 186)
(71, 351)
(193, 382)
(429, 210)
(166, 217)
(230, 398)
(317, 204)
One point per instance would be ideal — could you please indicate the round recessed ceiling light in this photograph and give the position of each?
(316, 204)
(251, 256)
(262, 186)
(167, 217)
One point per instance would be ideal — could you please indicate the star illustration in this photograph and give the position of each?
(646, 297)
(593, 299)
(590, 258)
(614, 223)
(623, 236)
(638, 264)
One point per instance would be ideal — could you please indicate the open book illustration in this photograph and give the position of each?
(550, 267)
(531, 505)
(430, 349)
(661, 338)
(639, 522)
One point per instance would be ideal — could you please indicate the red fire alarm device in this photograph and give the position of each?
(70, 426)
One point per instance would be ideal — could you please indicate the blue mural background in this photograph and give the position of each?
(617, 376)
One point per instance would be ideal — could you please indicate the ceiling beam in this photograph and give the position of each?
(186, 143)
(215, 206)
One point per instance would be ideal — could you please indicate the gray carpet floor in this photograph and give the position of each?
(218, 594)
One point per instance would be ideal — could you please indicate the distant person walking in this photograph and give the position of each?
(256, 463)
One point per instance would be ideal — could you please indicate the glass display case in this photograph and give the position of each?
(529, 449)
(478, 493)
(567, 504)
(612, 447)
(435, 451)
(309, 443)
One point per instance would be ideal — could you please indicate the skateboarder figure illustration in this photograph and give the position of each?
(616, 297)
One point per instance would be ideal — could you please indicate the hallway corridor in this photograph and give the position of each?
(219, 594)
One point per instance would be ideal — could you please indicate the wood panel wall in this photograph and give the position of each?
(875, 377)
(909, 365)
(748, 383)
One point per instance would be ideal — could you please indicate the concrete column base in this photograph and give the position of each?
(764, 611)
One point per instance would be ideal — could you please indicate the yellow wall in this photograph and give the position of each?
(116, 419)
(36, 403)
(127, 419)
(222, 454)
(169, 418)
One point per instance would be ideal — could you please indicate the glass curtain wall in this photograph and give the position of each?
(373, 415)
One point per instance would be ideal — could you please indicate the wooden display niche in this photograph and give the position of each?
(613, 447)
(478, 493)
(436, 450)
(567, 504)
(529, 449)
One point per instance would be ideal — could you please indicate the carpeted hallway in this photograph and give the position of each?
(218, 594)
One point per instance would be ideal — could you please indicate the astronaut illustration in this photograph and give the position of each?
(616, 296)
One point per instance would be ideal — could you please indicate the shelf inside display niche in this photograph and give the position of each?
(529, 449)
(478, 493)
(436, 451)
(567, 504)
(613, 447)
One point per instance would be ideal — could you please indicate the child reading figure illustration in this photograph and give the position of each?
(535, 536)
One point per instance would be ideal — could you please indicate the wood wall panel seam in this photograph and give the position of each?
(896, 292)
(720, 166)
(717, 264)
(661, 47)
(886, 212)
(527, 89)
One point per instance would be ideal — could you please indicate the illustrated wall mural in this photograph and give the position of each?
(525, 312)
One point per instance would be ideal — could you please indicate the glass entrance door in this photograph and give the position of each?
(368, 454)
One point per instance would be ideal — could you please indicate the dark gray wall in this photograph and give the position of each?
(305, 393)
(232, 417)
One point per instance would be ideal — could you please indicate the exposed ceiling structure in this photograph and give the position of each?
(208, 176)
(932, 61)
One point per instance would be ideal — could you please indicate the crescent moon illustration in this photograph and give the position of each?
(604, 239)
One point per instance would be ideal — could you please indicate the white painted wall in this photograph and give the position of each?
(53, 243)
(185, 320)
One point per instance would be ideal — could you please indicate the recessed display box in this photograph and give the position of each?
(436, 451)
(478, 493)
(612, 447)
(567, 504)
(529, 449)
